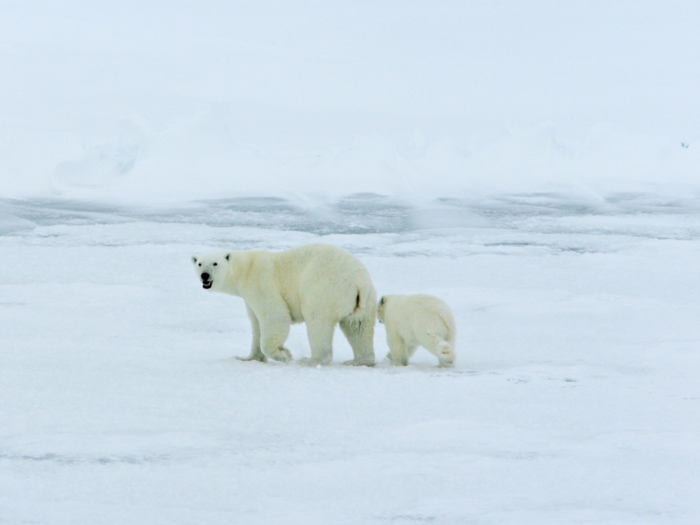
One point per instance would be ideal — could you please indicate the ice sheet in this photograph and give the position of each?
(575, 397)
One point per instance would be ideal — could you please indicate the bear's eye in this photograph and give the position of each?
(214, 264)
(200, 264)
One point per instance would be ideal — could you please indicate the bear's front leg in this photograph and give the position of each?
(256, 353)
(273, 334)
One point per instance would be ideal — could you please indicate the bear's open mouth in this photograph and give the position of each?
(207, 284)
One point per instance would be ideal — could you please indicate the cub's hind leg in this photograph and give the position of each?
(440, 348)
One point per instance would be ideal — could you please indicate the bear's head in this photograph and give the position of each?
(211, 269)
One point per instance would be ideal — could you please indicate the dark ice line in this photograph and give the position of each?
(78, 459)
(363, 213)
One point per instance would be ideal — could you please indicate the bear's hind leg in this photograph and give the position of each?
(360, 334)
(320, 334)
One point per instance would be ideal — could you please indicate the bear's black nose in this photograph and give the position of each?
(205, 277)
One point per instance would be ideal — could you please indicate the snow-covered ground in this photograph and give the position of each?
(575, 398)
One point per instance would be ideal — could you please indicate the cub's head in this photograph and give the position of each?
(381, 308)
(211, 269)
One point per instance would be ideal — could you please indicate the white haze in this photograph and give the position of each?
(174, 101)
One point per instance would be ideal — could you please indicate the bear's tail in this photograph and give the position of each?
(365, 299)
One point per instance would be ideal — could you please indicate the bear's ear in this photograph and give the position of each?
(228, 256)
(382, 300)
(194, 260)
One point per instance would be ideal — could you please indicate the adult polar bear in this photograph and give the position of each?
(317, 284)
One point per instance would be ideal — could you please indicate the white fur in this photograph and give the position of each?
(317, 284)
(418, 320)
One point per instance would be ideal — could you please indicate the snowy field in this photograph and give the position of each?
(535, 164)
(575, 398)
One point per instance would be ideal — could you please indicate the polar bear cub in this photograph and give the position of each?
(418, 320)
(317, 284)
